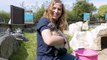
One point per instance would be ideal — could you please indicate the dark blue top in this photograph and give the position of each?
(45, 52)
(42, 48)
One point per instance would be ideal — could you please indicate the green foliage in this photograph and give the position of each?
(4, 16)
(26, 50)
(102, 10)
(39, 13)
(79, 8)
(69, 39)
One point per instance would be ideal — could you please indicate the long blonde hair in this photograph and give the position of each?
(62, 22)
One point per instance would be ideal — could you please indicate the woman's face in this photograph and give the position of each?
(56, 11)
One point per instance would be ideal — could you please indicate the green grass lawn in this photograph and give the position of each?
(26, 50)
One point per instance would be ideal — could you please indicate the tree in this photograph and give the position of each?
(102, 10)
(81, 7)
(4, 16)
(39, 13)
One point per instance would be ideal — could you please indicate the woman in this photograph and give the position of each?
(47, 39)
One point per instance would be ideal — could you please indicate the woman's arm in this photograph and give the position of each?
(51, 39)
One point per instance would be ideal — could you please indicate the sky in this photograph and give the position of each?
(33, 4)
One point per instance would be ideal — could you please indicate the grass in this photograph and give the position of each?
(69, 38)
(26, 50)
